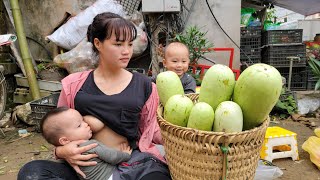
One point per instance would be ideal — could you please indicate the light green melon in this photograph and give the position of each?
(177, 110)
(228, 117)
(217, 85)
(256, 92)
(201, 117)
(168, 84)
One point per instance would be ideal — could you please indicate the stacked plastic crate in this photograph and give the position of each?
(250, 43)
(279, 46)
(312, 80)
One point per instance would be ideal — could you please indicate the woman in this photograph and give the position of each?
(125, 102)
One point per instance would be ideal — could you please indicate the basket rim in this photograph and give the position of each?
(162, 120)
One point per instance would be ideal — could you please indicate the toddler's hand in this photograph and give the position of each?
(124, 147)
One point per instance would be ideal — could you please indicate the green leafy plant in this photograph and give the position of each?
(315, 67)
(41, 67)
(271, 14)
(286, 104)
(196, 42)
(47, 66)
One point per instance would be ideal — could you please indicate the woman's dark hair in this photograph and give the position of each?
(105, 24)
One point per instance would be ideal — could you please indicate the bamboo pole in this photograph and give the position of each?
(27, 61)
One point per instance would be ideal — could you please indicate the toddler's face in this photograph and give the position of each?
(177, 60)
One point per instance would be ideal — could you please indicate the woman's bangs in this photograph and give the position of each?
(123, 30)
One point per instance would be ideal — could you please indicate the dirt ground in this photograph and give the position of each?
(15, 151)
(303, 169)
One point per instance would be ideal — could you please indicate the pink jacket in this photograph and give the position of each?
(149, 128)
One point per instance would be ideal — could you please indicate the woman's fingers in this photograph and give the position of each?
(73, 149)
(86, 163)
(75, 156)
(85, 148)
(78, 159)
(77, 169)
(86, 157)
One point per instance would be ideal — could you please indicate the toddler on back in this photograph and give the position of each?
(176, 59)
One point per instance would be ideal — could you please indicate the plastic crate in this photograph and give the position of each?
(310, 73)
(311, 84)
(41, 106)
(253, 42)
(277, 55)
(253, 59)
(272, 37)
(254, 31)
(312, 81)
(298, 77)
(130, 6)
(251, 46)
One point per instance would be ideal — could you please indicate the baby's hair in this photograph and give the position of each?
(50, 132)
(175, 44)
(105, 24)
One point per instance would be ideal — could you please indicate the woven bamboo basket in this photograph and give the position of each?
(193, 154)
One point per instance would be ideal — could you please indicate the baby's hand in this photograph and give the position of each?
(124, 147)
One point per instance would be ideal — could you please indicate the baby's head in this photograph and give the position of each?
(176, 58)
(63, 125)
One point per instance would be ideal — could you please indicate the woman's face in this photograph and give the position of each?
(114, 53)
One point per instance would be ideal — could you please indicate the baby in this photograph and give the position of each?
(64, 125)
(176, 59)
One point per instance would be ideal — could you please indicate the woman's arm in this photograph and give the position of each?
(149, 128)
(154, 103)
(148, 123)
(62, 99)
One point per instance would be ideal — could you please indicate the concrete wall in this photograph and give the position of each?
(41, 17)
(227, 13)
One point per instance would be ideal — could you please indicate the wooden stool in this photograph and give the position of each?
(283, 141)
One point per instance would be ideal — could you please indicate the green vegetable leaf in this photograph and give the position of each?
(317, 85)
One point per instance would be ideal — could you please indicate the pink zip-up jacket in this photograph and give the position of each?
(148, 127)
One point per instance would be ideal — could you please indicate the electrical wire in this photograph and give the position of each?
(227, 33)
(207, 59)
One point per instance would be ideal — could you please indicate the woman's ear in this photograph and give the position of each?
(63, 141)
(97, 43)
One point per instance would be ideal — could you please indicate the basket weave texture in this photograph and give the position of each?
(193, 154)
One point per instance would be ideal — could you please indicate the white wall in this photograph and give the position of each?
(310, 28)
(282, 13)
(227, 13)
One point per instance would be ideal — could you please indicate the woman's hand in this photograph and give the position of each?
(72, 153)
